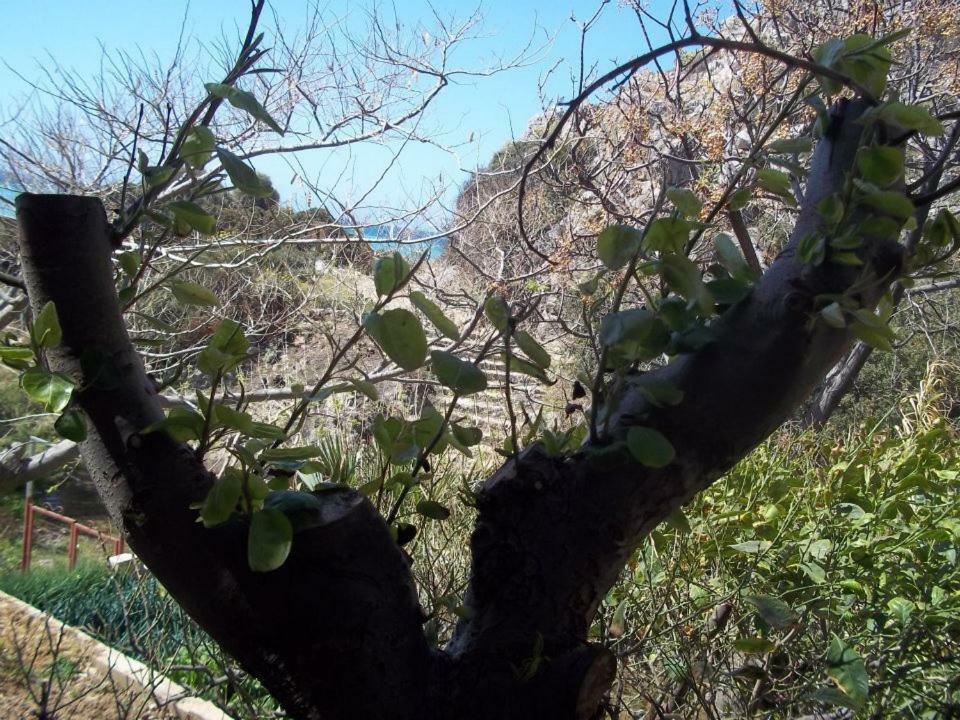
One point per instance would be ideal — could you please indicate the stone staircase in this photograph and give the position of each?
(488, 409)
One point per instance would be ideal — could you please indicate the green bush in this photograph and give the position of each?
(822, 571)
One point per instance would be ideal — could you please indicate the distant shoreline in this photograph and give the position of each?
(381, 239)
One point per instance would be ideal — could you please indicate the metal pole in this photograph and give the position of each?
(27, 526)
(72, 547)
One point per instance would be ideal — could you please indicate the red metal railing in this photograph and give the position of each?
(76, 530)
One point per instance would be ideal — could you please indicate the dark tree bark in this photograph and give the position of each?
(837, 384)
(336, 632)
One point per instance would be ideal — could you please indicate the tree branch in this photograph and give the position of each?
(743, 238)
(553, 534)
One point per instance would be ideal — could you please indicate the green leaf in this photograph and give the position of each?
(814, 571)
(532, 349)
(790, 146)
(245, 101)
(849, 239)
(156, 175)
(754, 645)
(198, 146)
(497, 312)
(635, 333)
(881, 164)
(774, 611)
(389, 273)
(52, 390)
(46, 327)
(435, 315)
(467, 436)
(739, 199)
(776, 182)
(728, 291)
(291, 454)
(812, 248)
(872, 329)
(943, 229)
(860, 57)
(678, 521)
(153, 175)
(16, 357)
(243, 177)
(72, 425)
(227, 348)
(193, 215)
(867, 62)
(910, 117)
(752, 547)
(667, 235)
(368, 389)
(617, 245)
(834, 697)
(831, 209)
(428, 431)
(129, 263)
(684, 277)
(463, 377)
(15, 352)
(269, 541)
(222, 498)
(394, 439)
(519, 365)
(181, 424)
(880, 227)
(833, 315)
(730, 257)
(845, 667)
(901, 609)
(189, 293)
(891, 203)
(846, 258)
(685, 201)
(649, 447)
(433, 510)
(304, 510)
(227, 417)
(265, 431)
(399, 334)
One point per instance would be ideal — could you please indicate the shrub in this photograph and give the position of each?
(821, 571)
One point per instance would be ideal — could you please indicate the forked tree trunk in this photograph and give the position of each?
(336, 633)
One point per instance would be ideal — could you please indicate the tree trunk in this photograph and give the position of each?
(336, 632)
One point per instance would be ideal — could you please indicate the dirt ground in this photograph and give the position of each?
(48, 674)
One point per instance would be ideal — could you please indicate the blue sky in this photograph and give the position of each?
(491, 110)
